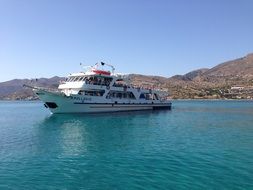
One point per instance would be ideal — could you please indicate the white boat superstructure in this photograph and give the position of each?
(97, 90)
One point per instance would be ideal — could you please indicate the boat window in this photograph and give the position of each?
(120, 95)
(71, 79)
(142, 96)
(84, 78)
(124, 95)
(104, 81)
(91, 92)
(107, 81)
(147, 96)
(156, 97)
(130, 95)
(80, 79)
(76, 79)
(120, 83)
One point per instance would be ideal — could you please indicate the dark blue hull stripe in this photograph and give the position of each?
(121, 105)
(136, 104)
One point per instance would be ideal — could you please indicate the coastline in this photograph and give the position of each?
(187, 99)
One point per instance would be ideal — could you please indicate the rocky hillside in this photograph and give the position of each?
(14, 90)
(208, 83)
(217, 81)
(202, 83)
(240, 67)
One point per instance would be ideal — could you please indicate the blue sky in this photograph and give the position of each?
(44, 38)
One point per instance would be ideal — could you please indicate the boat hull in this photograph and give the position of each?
(60, 103)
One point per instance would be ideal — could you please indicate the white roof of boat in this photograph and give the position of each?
(88, 74)
(77, 74)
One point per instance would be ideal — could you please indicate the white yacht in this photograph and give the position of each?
(98, 90)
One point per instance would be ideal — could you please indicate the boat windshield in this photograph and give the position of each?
(94, 80)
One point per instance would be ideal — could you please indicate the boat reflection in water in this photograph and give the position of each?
(79, 134)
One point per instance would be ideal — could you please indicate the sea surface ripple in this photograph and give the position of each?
(196, 145)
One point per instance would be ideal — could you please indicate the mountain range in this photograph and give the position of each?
(213, 83)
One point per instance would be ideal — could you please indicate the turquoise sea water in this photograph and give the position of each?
(196, 145)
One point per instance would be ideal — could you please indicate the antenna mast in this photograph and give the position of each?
(113, 69)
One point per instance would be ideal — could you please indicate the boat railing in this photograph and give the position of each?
(42, 88)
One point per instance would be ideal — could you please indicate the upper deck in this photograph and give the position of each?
(98, 80)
